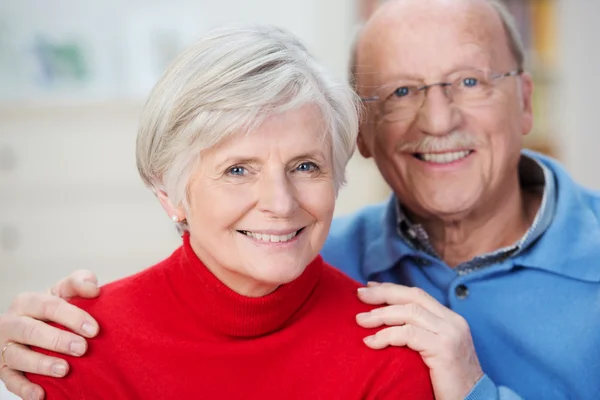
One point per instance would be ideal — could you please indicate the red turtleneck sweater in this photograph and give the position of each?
(174, 331)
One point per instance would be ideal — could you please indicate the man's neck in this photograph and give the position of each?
(498, 224)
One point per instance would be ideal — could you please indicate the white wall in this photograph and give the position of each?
(578, 90)
(117, 32)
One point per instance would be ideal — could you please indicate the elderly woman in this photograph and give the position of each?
(244, 140)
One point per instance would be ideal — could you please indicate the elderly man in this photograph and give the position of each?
(475, 229)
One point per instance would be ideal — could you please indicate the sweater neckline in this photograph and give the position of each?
(232, 314)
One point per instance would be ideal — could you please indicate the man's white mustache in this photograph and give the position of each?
(457, 140)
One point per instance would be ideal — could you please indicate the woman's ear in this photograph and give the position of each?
(175, 213)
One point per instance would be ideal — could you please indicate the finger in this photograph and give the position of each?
(81, 283)
(398, 314)
(16, 383)
(416, 338)
(29, 331)
(21, 358)
(389, 293)
(46, 307)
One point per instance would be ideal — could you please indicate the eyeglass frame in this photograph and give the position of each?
(443, 84)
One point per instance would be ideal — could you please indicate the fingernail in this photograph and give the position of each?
(59, 369)
(363, 316)
(362, 290)
(90, 285)
(368, 339)
(77, 348)
(33, 395)
(88, 329)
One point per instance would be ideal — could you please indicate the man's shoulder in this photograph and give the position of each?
(572, 197)
(366, 220)
(575, 225)
(564, 180)
(351, 235)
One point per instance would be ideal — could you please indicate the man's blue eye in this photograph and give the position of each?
(470, 82)
(307, 167)
(402, 91)
(236, 170)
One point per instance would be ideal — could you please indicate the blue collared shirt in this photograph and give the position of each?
(534, 312)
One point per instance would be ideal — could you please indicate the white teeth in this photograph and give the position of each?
(271, 238)
(444, 158)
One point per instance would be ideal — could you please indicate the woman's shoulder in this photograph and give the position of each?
(336, 299)
(391, 372)
(128, 294)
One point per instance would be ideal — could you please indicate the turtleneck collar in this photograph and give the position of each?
(229, 313)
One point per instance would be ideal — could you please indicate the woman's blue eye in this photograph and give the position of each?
(470, 82)
(236, 170)
(402, 91)
(307, 167)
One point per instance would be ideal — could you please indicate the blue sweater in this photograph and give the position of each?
(534, 317)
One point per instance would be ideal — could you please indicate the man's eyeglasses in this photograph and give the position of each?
(403, 98)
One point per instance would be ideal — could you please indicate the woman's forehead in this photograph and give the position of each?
(292, 132)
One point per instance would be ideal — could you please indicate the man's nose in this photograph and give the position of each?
(438, 116)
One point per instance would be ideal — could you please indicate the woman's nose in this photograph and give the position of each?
(277, 196)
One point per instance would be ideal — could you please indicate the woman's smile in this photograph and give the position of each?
(277, 238)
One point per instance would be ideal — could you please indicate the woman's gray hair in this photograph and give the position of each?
(228, 83)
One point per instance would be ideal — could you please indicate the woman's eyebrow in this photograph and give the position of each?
(241, 159)
(232, 160)
(311, 155)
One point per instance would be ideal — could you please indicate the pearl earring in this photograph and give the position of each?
(175, 218)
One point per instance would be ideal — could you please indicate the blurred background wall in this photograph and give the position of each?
(73, 77)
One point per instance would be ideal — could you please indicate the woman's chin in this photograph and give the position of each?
(264, 285)
(274, 275)
(280, 275)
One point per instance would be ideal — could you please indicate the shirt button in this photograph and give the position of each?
(462, 292)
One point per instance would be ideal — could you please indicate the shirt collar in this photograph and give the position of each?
(570, 246)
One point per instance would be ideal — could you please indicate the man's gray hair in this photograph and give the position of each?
(228, 83)
(513, 36)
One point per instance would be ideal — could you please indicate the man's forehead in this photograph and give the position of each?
(415, 19)
(409, 39)
(417, 64)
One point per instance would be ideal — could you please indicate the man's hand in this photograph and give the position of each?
(21, 326)
(417, 320)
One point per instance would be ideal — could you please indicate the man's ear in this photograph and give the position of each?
(175, 213)
(527, 100)
(363, 148)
